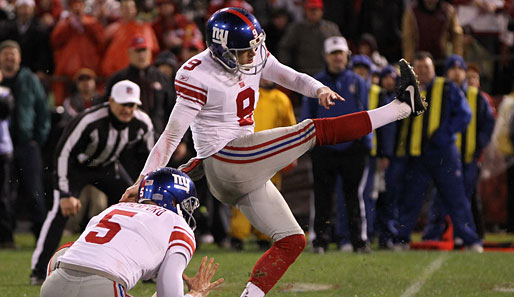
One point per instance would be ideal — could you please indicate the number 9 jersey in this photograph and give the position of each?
(131, 240)
(226, 101)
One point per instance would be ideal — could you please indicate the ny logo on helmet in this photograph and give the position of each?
(220, 36)
(181, 182)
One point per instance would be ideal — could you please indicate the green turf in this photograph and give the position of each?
(381, 273)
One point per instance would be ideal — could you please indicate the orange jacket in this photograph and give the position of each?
(119, 37)
(74, 49)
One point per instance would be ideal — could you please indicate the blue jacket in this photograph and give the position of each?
(386, 135)
(352, 88)
(485, 122)
(455, 116)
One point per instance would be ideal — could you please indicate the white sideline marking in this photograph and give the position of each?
(504, 290)
(416, 286)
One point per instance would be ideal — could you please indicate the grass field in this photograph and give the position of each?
(382, 273)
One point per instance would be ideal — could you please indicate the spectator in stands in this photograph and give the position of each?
(84, 95)
(29, 129)
(105, 11)
(368, 46)
(383, 19)
(362, 65)
(276, 28)
(475, 53)
(504, 137)
(190, 49)
(49, 12)
(84, 156)
(32, 37)
(78, 41)
(6, 150)
(215, 5)
(301, 46)
(470, 143)
(432, 26)
(345, 159)
(119, 36)
(432, 155)
(273, 110)
(474, 79)
(174, 30)
(489, 21)
(6, 10)
(350, 17)
(166, 62)
(157, 94)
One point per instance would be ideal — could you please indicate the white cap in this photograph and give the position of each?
(30, 3)
(335, 43)
(125, 91)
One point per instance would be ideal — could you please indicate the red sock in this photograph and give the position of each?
(343, 128)
(275, 261)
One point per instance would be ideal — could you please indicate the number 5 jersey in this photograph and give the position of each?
(131, 240)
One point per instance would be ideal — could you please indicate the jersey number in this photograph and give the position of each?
(192, 64)
(245, 105)
(114, 228)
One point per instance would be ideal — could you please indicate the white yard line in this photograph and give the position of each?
(414, 288)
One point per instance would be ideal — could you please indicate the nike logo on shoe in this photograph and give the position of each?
(410, 89)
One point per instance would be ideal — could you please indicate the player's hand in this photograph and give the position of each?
(200, 285)
(130, 194)
(326, 97)
(70, 206)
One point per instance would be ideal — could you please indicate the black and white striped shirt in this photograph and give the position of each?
(95, 139)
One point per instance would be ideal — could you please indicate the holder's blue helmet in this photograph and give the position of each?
(231, 31)
(173, 190)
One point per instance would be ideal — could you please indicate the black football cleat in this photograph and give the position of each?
(408, 91)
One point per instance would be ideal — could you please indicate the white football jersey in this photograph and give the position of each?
(218, 105)
(226, 102)
(130, 241)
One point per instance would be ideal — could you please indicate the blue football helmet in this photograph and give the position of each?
(173, 190)
(231, 31)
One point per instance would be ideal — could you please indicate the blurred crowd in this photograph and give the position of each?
(60, 57)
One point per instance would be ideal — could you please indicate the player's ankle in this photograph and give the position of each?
(402, 108)
(252, 290)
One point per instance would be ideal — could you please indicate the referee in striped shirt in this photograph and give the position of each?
(88, 153)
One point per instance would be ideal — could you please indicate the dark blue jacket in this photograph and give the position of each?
(386, 135)
(455, 115)
(351, 87)
(485, 122)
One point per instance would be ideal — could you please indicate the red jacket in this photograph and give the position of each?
(119, 35)
(75, 48)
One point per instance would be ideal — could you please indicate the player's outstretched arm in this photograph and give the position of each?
(326, 97)
(200, 285)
